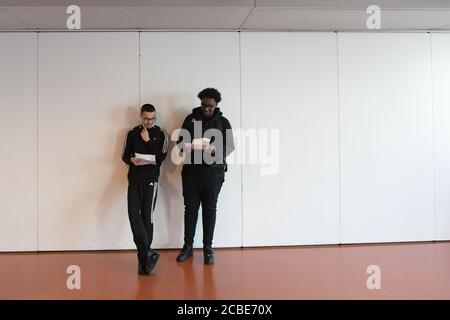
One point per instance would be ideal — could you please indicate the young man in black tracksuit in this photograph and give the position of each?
(146, 139)
(204, 169)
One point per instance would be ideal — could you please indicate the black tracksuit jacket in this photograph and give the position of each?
(157, 145)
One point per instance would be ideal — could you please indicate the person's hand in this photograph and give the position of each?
(135, 161)
(210, 149)
(187, 147)
(144, 135)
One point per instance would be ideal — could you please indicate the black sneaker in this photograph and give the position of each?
(152, 259)
(185, 253)
(143, 266)
(208, 256)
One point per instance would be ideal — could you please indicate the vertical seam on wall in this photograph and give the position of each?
(37, 141)
(139, 68)
(433, 125)
(240, 145)
(339, 141)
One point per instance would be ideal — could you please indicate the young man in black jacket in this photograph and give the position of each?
(204, 169)
(144, 142)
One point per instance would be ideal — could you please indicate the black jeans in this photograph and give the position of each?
(141, 204)
(200, 189)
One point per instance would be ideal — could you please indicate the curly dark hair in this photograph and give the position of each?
(210, 93)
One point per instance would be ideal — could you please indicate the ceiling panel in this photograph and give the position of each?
(9, 22)
(135, 17)
(355, 4)
(226, 14)
(349, 19)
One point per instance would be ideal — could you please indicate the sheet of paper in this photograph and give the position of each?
(146, 158)
(200, 143)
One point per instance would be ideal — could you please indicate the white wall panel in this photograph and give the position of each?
(441, 105)
(18, 143)
(289, 83)
(174, 68)
(88, 100)
(386, 137)
(67, 190)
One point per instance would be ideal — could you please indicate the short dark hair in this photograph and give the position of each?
(147, 108)
(210, 93)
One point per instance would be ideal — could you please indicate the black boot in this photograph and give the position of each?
(143, 265)
(185, 253)
(208, 255)
(152, 258)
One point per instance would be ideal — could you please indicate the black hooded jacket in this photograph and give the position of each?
(217, 121)
(157, 145)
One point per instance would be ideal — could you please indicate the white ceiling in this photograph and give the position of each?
(226, 14)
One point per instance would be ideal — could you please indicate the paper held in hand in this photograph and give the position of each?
(198, 144)
(145, 158)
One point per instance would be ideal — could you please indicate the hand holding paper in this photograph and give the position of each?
(198, 144)
(145, 159)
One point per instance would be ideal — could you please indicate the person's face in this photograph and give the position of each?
(148, 119)
(208, 106)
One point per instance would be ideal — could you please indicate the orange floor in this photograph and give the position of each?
(408, 271)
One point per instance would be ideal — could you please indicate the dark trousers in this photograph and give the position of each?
(200, 189)
(141, 204)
